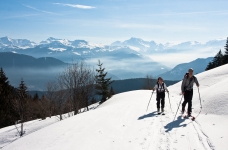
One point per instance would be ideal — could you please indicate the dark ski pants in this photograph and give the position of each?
(160, 99)
(187, 99)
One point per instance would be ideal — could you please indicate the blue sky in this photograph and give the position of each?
(105, 21)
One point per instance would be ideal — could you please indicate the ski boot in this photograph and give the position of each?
(158, 110)
(162, 111)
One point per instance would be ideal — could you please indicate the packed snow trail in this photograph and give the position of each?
(119, 124)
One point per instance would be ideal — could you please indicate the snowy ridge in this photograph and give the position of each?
(58, 43)
(57, 49)
(135, 44)
(149, 47)
(16, 43)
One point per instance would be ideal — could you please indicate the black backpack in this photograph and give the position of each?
(163, 87)
(187, 75)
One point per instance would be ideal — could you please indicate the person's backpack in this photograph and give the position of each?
(162, 87)
(187, 75)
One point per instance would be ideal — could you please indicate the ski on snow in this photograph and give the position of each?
(189, 117)
(186, 116)
(160, 113)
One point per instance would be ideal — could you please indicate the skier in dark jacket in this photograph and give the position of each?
(160, 87)
(187, 90)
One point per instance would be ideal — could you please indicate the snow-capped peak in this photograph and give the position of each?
(16, 43)
(5, 40)
(55, 43)
(194, 42)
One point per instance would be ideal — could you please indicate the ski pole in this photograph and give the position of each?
(200, 104)
(170, 103)
(149, 101)
(199, 98)
(178, 108)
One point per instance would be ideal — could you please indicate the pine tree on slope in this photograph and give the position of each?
(225, 57)
(209, 66)
(218, 59)
(102, 83)
(216, 62)
(7, 114)
(21, 104)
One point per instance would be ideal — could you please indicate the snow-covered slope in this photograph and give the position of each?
(122, 122)
(213, 119)
(213, 90)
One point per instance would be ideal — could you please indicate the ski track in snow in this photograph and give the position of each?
(150, 132)
(194, 137)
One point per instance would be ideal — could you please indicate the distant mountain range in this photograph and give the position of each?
(150, 47)
(127, 59)
(6, 42)
(36, 72)
(119, 60)
(177, 73)
(136, 44)
(11, 60)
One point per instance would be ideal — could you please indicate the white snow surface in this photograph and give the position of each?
(57, 49)
(134, 48)
(76, 53)
(122, 122)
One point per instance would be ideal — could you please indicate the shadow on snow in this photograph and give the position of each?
(148, 115)
(175, 124)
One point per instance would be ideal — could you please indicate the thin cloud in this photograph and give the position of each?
(75, 6)
(133, 25)
(48, 12)
(199, 12)
(20, 16)
(192, 13)
(157, 26)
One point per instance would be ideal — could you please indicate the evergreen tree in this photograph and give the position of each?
(216, 62)
(111, 92)
(7, 114)
(209, 66)
(36, 97)
(102, 83)
(218, 59)
(225, 57)
(44, 107)
(93, 100)
(22, 104)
